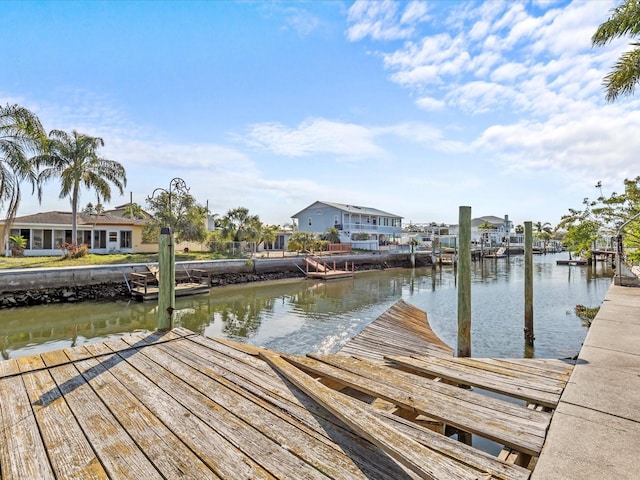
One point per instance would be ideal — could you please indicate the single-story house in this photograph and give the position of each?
(362, 227)
(46, 233)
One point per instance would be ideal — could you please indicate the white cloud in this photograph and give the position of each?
(592, 144)
(508, 72)
(415, 12)
(316, 136)
(429, 103)
(383, 20)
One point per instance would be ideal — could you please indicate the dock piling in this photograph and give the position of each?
(167, 284)
(528, 284)
(464, 283)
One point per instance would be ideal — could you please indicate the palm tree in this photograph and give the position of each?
(624, 21)
(75, 160)
(21, 134)
(238, 226)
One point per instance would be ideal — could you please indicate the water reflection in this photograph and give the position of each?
(300, 316)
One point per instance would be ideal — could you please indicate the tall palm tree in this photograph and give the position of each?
(238, 225)
(21, 136)
(624, 21)
(74, 159)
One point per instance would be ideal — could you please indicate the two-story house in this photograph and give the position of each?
(362, 227)
(490, 230)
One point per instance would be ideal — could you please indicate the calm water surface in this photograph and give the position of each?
(303, 316)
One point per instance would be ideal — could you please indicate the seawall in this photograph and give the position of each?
(31, 286)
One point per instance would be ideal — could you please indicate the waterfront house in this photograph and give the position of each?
(362, 227)
(491, 230)
(47, 232)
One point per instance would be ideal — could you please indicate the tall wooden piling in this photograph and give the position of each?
(166, 283)
(464, 283)
(528, 284)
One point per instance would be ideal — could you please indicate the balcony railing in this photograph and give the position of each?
(369, 227)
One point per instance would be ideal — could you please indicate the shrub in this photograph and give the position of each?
(18, 244)
(72, 250)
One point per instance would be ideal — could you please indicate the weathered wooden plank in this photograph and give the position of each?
(8, 368)
(528, 368)
(457, 450)
(473, 375)
(548, 367)
(402, 325)
(463, 397)
(214, 450)
(22, 451)
(167, 452)
(526, 433)
(69, 451)
(310, 448)
(118, 453)
(286, 401)
(423, 461)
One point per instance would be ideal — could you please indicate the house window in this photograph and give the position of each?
(125, 238)
(37, 239)
(47, 240)
(84, 237)
(100, 239)
(24, 233)
(59, 238)
(335, 219)
(309, 221)
(368, 220)
(113, 237)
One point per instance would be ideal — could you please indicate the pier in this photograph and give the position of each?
(387, 406)
(595, 432)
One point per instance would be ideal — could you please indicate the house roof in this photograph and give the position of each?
(350, 209)
(476, 222)
(64, 218)
(489, 218)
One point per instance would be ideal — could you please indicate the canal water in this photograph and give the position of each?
(301, 316)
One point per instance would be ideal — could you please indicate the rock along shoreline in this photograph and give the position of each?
(28, 287)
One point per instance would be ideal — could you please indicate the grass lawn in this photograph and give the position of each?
(92, 259)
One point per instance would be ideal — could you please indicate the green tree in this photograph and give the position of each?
(21, 139)
(93, 209)
(268, 234)
(238, 226)
(302, 242)
(17, 243)
(624, 20)
(178, 211)
(74, 159)
(605, 217)
(133, 210)
(331, 235)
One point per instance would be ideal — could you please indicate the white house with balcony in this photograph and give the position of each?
(362, 227)
(491, 230)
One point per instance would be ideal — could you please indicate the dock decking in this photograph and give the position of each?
(320, 269)
(179, 405)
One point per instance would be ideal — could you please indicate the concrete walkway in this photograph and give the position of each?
(595, 431)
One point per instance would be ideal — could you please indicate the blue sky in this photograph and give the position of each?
(414, 108)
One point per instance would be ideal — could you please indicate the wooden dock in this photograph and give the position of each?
(571, 262)
(146, 286)
(179, 405)
(320, 269)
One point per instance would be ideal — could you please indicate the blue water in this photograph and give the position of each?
(301, 316)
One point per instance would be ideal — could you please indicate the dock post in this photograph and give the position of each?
(167, 285)
(464, 283)
(528, 284)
